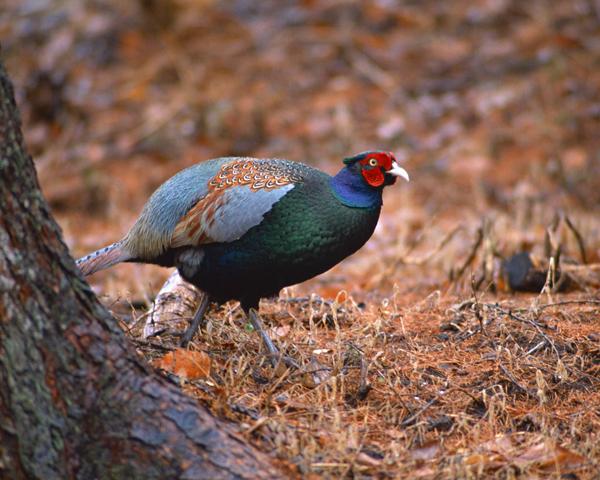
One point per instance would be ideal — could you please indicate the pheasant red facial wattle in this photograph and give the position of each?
(244, 228)
(373, 167)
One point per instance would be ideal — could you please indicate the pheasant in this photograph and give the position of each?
(244, 228)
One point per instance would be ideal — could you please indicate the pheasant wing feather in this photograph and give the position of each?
(226, 215)
(237, 198)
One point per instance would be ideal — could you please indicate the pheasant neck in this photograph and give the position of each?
(352, 191)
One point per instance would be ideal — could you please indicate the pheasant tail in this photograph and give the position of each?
(103, 258)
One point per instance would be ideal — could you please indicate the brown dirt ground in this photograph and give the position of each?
(430, 366)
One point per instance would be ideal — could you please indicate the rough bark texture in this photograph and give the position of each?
(75, 401)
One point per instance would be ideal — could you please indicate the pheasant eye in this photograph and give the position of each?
(373, 162)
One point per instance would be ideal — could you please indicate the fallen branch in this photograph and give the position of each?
(176, 300)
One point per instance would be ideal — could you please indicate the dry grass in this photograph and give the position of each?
(450, 384)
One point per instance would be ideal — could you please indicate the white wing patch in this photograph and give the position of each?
(242, 209)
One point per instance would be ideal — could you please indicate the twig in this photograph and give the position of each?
(312, 299)
(536, 348)
(300, 372)
(578, 238)
(428, 256)
(241, 409)
(147, 343)
(515, 382)
(364, 388)
(406, 422)
(553, 249)
(471, 256)
(534, 324)
(550, 282)
(590, 267)
(568, 302)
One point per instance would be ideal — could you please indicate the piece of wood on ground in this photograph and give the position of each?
(177, 300)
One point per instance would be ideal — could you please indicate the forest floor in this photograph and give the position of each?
(419, 359)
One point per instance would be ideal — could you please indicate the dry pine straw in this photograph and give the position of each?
(443, 378)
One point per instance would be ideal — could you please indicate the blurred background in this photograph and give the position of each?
(493, 106)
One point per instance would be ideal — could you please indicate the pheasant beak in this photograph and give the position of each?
(398, 171)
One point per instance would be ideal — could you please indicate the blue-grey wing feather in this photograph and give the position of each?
(171, 217)
(151, 233)
(242, 209)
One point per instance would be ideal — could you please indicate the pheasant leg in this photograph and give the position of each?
(274, 354)
(197, 321)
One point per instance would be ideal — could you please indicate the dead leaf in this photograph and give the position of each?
(549, 456)
(282, 331)
(492, 454)
(423, 472)
(191, 365)
(292, 404)
(315, 374)
(427, 451)
(367, 460)
(545, 454)
(488, 461)
(332, 292)
(502, 444)
(320, 351)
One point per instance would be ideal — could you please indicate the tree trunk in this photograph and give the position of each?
(75, 400)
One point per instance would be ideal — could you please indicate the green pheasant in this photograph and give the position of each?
(244, 228)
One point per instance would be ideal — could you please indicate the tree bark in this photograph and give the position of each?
(75, 400)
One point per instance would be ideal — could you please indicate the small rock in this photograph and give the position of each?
(522, 275)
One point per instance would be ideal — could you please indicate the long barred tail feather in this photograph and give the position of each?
(103, 258)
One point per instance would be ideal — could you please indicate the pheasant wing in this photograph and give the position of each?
(238, 197)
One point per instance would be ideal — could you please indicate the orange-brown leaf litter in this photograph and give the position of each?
(426, 365)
